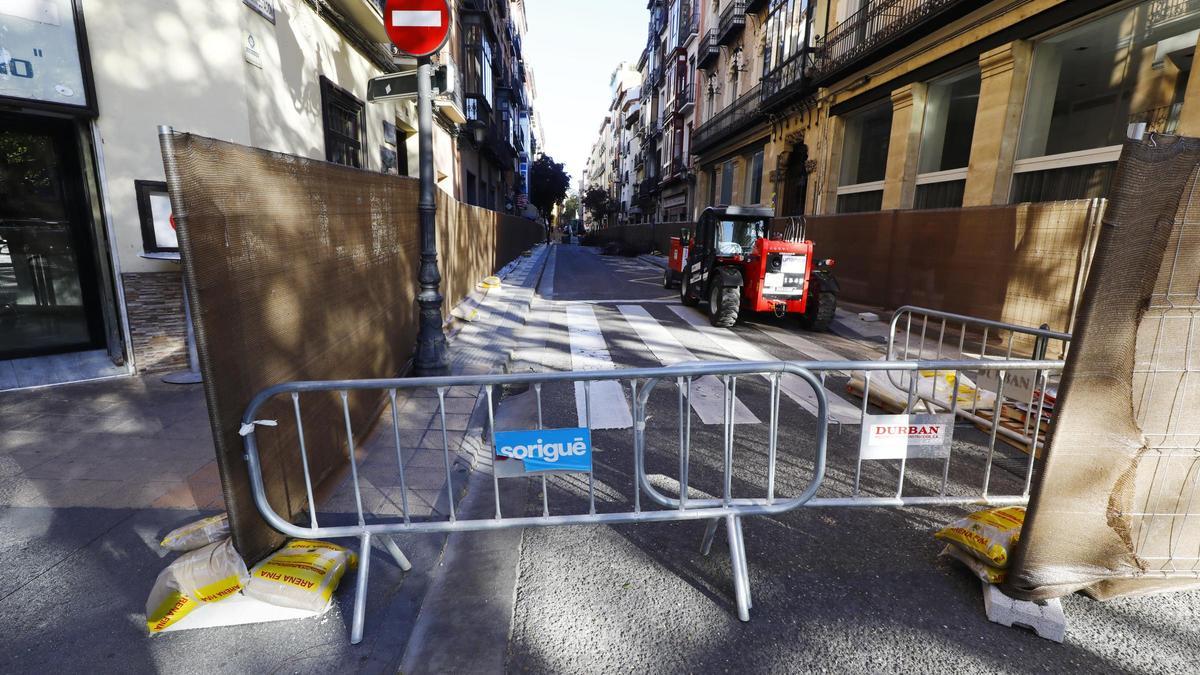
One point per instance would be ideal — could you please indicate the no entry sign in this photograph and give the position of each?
(417, 27)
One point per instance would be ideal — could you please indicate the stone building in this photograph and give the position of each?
(87, 285)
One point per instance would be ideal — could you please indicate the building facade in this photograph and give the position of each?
(866, 105)
(89, 275)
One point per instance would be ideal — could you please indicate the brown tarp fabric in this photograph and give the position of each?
(1021, 263)
(1114, 511)
(303, 270)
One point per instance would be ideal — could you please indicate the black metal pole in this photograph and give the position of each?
(432, 358)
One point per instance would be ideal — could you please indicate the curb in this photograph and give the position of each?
(656, 260)
(477, 572)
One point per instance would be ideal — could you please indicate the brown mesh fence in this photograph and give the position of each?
(1022, 264)
(1116, 510)
(641, 238)
(303, 270)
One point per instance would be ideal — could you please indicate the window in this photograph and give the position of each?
(1093, 86)
(754, 178)
(786, 32)
(472, 196)
(726, 183)
(950, 109)
(737, 237)
(864, 158)
(343, 116)
(477, 80)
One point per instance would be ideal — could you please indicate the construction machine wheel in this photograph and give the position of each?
(822, 307)
(723, 305)
(685, 298)
(668, 278)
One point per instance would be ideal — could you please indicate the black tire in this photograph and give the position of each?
(668, 278)
(685, 298)
(822, 307)
(723, 305)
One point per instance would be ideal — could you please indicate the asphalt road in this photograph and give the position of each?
(834, 589)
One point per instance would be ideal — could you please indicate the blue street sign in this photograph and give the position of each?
(548, 449)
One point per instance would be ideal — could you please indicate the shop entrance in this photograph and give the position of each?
(49, 299)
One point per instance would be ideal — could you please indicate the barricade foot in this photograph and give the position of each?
(709, 533)
(397, 554)
(360, 592)
(737, 558)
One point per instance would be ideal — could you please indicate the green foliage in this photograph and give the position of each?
(548, 184)
(597, 202)
(570, 210)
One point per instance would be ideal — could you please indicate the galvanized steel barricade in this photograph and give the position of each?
(730, 499)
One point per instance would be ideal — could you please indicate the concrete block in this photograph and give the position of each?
(869, 317)
(1044, 618)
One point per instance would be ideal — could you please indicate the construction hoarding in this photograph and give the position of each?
(303, 270)
(1114, 512)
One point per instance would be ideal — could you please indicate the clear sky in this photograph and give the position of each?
(574, 46)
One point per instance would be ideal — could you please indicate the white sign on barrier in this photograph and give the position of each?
(1019, 385)
(906, 437)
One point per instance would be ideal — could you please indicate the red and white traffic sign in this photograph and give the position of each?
(417, 27)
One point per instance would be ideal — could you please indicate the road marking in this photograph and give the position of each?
(609, 408)
(708, 392)
(795, 387)
(803, 345)
(649, 281)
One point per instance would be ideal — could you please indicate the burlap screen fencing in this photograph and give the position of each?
(1116, 511)
(303, 270)
(1023, 264)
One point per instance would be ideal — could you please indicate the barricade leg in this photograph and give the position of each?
(397, 554)
(709, 533)
(737, 558)
(360, 593)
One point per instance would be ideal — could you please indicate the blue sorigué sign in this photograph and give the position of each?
(548, 449)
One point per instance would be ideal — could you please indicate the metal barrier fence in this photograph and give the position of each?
(702, 458)
(957, 336)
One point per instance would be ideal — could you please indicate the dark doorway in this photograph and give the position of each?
(795, 186)
(49, 301)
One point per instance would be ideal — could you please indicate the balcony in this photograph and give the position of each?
(706, 55)
(733, 21)
(880, 28)
(685, 100)
(654, 78)
(742, 114)
(690, 23)
(790, 80)
(1168, 11)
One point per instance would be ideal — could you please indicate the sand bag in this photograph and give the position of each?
(209, 574)
(302, 575)
(198, 534)
(992, 575)
(987, 535)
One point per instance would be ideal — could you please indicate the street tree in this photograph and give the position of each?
(548, 185)
(597, 201)
(570, 210)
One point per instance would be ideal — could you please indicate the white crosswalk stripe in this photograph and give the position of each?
(794, 387)
(707, 393)
(801, 344)
(609, 407)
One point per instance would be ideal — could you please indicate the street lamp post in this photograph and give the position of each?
(432, 358)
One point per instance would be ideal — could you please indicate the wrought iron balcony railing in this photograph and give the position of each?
(741, 114)
(685, 99)
(877, 25)
(709, 50)
(733, 21)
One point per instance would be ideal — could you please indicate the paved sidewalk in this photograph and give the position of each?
(92, 475)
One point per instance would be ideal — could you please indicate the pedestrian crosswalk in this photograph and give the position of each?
(707, 394)
(600, 405)
(792, 386)
(620, 335)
